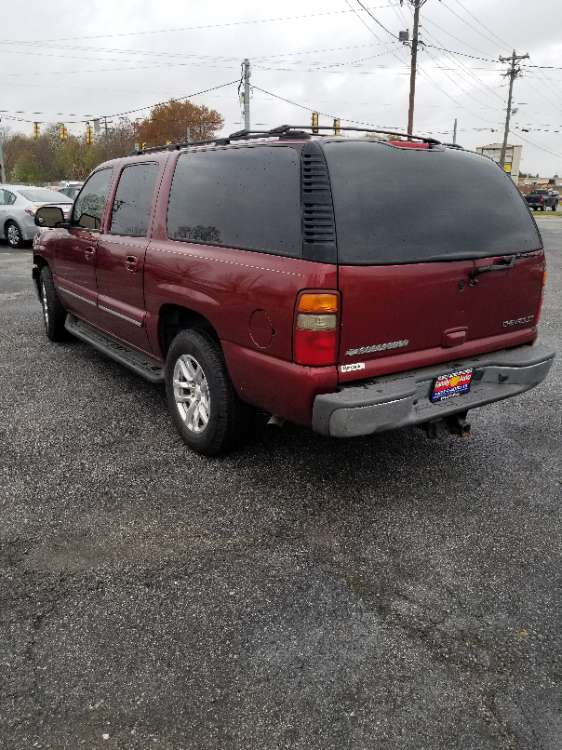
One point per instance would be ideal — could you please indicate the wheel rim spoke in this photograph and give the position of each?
(191, 393)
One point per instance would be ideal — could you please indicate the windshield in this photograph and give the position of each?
(71, 192)
(411, 205)
(42, 195)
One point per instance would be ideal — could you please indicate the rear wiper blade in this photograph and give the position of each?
(502, 265)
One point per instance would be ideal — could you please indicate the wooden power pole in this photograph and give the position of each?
(513, 72)
(417, 5)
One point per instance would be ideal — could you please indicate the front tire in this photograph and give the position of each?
(54, 314)
(207, 413)
(13, 235)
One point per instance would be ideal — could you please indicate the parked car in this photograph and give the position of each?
(18, 204)
(283, 275)
(70, 189)
(543, 199)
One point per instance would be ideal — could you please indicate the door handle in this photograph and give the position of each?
(131, 263)
(89, 253)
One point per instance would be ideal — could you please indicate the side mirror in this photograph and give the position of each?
(49, 216)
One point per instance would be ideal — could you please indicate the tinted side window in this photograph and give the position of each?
(88, 207)
(9, 198)
(133, 200)
(246, 197)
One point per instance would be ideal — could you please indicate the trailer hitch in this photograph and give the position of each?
(455, 424)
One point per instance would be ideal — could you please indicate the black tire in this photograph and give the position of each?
(54, 314)
(555, 206)
(13, 234)
(543, 208)
(229, 419)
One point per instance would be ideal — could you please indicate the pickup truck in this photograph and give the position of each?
(280, 273)
(543, 199)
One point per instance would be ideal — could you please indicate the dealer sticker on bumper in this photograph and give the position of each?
(452, 384)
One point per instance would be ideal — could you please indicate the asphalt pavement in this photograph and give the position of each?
(391, 593)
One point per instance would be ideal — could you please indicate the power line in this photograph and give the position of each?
(536, 145)
(132, 111)
(466, 71)
(431, 22)
(250, 21)
(479, 21)
(324, 114)
(471, 25)
(376, 20)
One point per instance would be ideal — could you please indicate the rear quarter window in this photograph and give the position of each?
(411, 205)
(246, 198)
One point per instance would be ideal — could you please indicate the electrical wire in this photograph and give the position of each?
(376, 20)
(470, 25)
(358, 15)
(536, 145)
(479, 21)
(324, 114)
(250, 21)
(128, 112)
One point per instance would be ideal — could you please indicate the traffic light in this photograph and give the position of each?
(337, 126)
(36, 131)
(315, 120)
(89, 134)
(63, 132)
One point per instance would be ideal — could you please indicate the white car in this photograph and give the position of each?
(18, 204)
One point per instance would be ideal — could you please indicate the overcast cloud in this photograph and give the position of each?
(104, 57)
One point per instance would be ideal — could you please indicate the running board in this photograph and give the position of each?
(134, 360)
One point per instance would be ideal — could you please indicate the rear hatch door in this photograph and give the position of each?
(438, 257)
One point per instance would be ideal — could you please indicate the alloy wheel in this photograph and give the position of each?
(13, 235)
(191, 393)
(45, 304)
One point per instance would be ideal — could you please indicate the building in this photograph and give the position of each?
(512, 156)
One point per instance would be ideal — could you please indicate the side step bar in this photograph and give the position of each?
(134, 360)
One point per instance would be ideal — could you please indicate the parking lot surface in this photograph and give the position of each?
(392, 592)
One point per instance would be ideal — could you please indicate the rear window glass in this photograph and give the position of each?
(42, 195)
(406, 206)
(246, 198)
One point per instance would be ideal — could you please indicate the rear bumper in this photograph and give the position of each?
(394, 401)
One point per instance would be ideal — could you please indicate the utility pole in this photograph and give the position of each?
(513, 72)
(246, 79)
(455, 132)
(417, 5)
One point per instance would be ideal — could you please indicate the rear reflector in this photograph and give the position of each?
(316, 329)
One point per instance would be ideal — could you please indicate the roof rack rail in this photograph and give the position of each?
(284, 131)
(355, 129)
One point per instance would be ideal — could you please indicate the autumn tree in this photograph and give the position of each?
(170, 122)
(48, 159)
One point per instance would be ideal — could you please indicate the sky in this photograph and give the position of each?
(65, 61)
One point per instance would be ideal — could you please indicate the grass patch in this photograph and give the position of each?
(546, 214)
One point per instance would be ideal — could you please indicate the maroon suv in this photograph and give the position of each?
(349, 284)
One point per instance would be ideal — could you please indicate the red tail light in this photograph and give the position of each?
(315, 340)
(29, 210)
